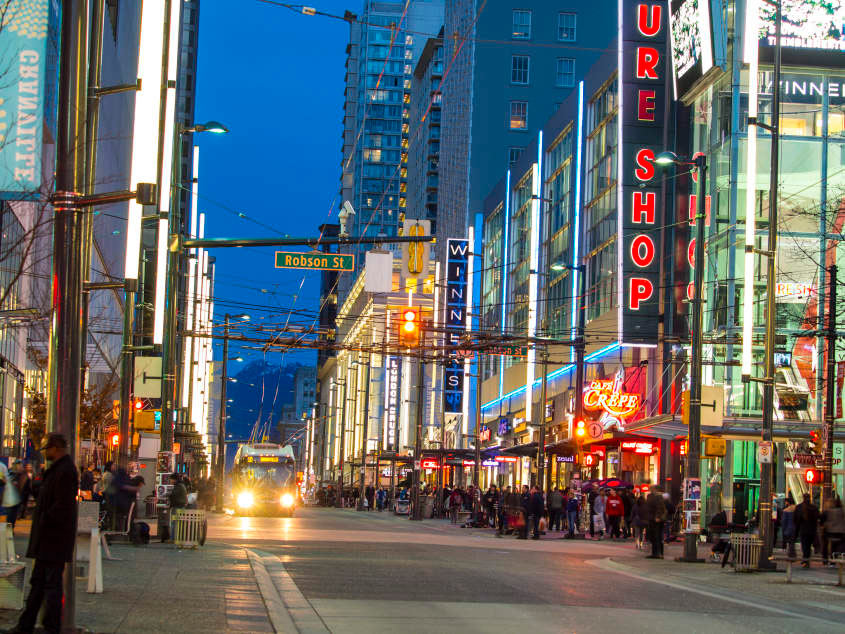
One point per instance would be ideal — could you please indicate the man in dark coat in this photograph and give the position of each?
(536, 505)
(807, 526)
(52, 537)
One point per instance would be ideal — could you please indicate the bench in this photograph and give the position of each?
(837, 559)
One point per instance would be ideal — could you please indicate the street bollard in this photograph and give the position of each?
(95, 563)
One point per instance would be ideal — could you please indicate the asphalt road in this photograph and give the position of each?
(342, 571)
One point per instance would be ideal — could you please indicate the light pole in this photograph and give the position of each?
(169, 367)
(692, 463)
(221, 428)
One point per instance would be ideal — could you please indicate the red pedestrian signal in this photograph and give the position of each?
(813, 476)
(816, 440)
(115, 440)
(409, 328)
(139, 405)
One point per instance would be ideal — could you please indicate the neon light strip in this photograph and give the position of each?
(751, 56)
(533, 287)
(620, 285)
(467, 362)
(436, 317)
(161, 264)
(195, 194)
(608, 349)
(505, 266)
(147, 105)
(577, 233)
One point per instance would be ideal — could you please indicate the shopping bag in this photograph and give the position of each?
(598, 523)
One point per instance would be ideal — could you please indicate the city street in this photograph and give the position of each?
(330, 570)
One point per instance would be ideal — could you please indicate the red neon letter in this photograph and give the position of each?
(645, 105)
(649, 19)
(644, 203)
(645, 164)
(640, 290)
(647, 58)
(691, 253)
(642, 250)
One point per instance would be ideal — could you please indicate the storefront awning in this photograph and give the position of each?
(562, 448)
(669, 427)
(528, 449)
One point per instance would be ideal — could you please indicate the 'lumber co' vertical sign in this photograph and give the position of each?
(641, 120)
(457, 278)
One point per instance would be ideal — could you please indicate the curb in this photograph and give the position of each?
(276, 610)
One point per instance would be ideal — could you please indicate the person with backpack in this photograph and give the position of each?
(656, 513)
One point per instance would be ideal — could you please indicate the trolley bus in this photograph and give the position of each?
(264, 479)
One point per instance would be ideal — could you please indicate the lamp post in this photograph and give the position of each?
(221, 428)
(692, 462)
(169, 367)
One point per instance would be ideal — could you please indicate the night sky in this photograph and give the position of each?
(275, 78)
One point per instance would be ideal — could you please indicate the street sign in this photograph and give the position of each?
(507, 351)
(315, 261)
(596, 430)
(764, 452)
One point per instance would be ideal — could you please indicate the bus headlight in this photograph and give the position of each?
(245, 500)
(286, 500)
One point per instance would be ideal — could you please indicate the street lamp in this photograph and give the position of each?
(692, 462)
(221, 431)
(215, 127)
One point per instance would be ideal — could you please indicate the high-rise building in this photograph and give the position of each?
(384, 46)
(510, 65)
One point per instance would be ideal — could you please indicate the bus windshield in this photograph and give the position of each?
(274, 474)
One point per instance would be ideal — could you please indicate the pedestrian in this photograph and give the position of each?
(86, 480)
(572, 514)
(12, 494)
(628, 502)
(638, 523)
(787, 526)
(656, 513)
(615, 511)
(456, 500)
(51, 538)
(370, 493)
(535, 510)
(833, 523)
(555, 509)
(806, 526)
(381, 494)
(26, 490)
(591, 503)
(599, 519)
(491, 498)
(504, 508)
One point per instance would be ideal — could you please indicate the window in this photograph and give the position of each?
(565, 72)
(519, 69)
(513, 155)
(566, 27)
(519, 115)
(521, 25)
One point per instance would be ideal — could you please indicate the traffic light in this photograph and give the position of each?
(409, 328)
(580, 429)
(813, 476)
(816, 440)
(139, 405)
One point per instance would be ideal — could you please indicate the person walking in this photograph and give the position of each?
(51, 538)
(555, 509)
(806, 526)
(615, 510)
(833, 524)
(599, 508)
(572, 514)
(637, 522)
(656, 513)
(504, 509)
(536, 507)
(456, 500)
(370, 494)
(12, 494)
(787, 526)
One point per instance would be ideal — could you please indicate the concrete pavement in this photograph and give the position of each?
(329, 570)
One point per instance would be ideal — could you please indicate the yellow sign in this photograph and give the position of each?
(115, 410)
(145, 419)
(715, 447)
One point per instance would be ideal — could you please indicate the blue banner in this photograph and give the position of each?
(24, 38)
(457, 279)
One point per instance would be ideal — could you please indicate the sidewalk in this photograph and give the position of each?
(157, 588)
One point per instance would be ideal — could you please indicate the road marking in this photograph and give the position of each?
(608, 564)
(279, 616)
(825, 606)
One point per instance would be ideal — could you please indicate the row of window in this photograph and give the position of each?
(566, 25)
(564, 71)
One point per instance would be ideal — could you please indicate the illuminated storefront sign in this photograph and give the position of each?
(429, 463)
(642, 115)
(692, 43)
(794, 292)
(484, 434)
(607, 396)
(457, 280)
(391, 403)
(504, 426)
(509, 459)
(489, 463)
(567, 459)
(591, 460)
(806, 24)
(641, 447)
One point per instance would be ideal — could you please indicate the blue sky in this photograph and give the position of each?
(275, 78)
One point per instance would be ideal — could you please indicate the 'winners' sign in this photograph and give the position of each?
(457, 279)
(641, 120)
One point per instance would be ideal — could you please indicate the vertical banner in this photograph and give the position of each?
(391, 402)
(23, 65)
(641, 119)
(457, 279)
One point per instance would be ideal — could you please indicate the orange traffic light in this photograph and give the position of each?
(409, 328)
(580, 429)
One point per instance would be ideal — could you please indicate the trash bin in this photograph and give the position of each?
(150, 506)
(189, 528)
(746, 550)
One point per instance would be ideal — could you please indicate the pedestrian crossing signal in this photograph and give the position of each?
(813, 476)
(816, 440)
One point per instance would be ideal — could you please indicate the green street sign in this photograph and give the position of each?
(315, 261)
(507, 351)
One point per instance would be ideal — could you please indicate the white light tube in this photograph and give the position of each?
(161, 281)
